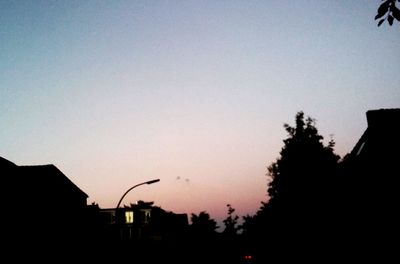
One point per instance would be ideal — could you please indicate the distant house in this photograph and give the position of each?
(41, 202)
(144, 221)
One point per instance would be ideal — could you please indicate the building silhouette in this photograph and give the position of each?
(46, 214)
(369, 188)
(144, 222)
(42, 209)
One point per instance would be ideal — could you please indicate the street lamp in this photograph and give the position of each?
(147, 182)
(120, 200)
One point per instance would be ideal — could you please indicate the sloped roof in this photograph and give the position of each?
(49, 175)
(4, 163)
(42, 178)
(381, 138)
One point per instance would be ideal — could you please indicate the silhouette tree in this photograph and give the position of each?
(304, 171)
(302, 190)
(203, 225)
(231, 222)
(297, 217)
(202, 238)
(388, 11)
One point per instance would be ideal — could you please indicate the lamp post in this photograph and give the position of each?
(120, 200)
(148, 182)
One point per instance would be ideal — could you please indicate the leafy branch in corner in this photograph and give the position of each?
(388, 11)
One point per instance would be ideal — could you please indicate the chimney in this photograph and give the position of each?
(384, 119)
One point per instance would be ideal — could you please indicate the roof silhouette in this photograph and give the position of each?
(381, 138)
(4, 163)
(49, 175)
(44, 184)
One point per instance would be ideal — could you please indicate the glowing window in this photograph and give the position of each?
(129, 217)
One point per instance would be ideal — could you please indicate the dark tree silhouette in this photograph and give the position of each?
(388, 11)
(302, 189)
(203, 225)
(297, 217)
(202, 238)
(231, 222)
(303, 173)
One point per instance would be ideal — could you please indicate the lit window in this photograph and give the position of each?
(129, 217)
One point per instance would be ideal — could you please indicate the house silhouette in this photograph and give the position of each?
(373, 164)
(46, 215)
(369, 188)
(143, 222)
(42, 208)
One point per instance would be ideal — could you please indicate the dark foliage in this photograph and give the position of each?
(231, 222)
(388, 11)
(303, 173)
(302, 192)
(203, 225)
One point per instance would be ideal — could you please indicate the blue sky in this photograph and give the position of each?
(119, 92)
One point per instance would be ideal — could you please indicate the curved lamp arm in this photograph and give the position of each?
(148, 182)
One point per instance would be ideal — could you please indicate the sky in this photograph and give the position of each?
(194, 93)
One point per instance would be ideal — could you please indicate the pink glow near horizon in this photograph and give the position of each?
(117, 93)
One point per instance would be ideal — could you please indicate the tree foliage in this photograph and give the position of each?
(202, 224)
(302, 193)
(231, 221)
(304, 172)
(388, 10)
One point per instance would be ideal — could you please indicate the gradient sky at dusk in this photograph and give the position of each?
(192, 92)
